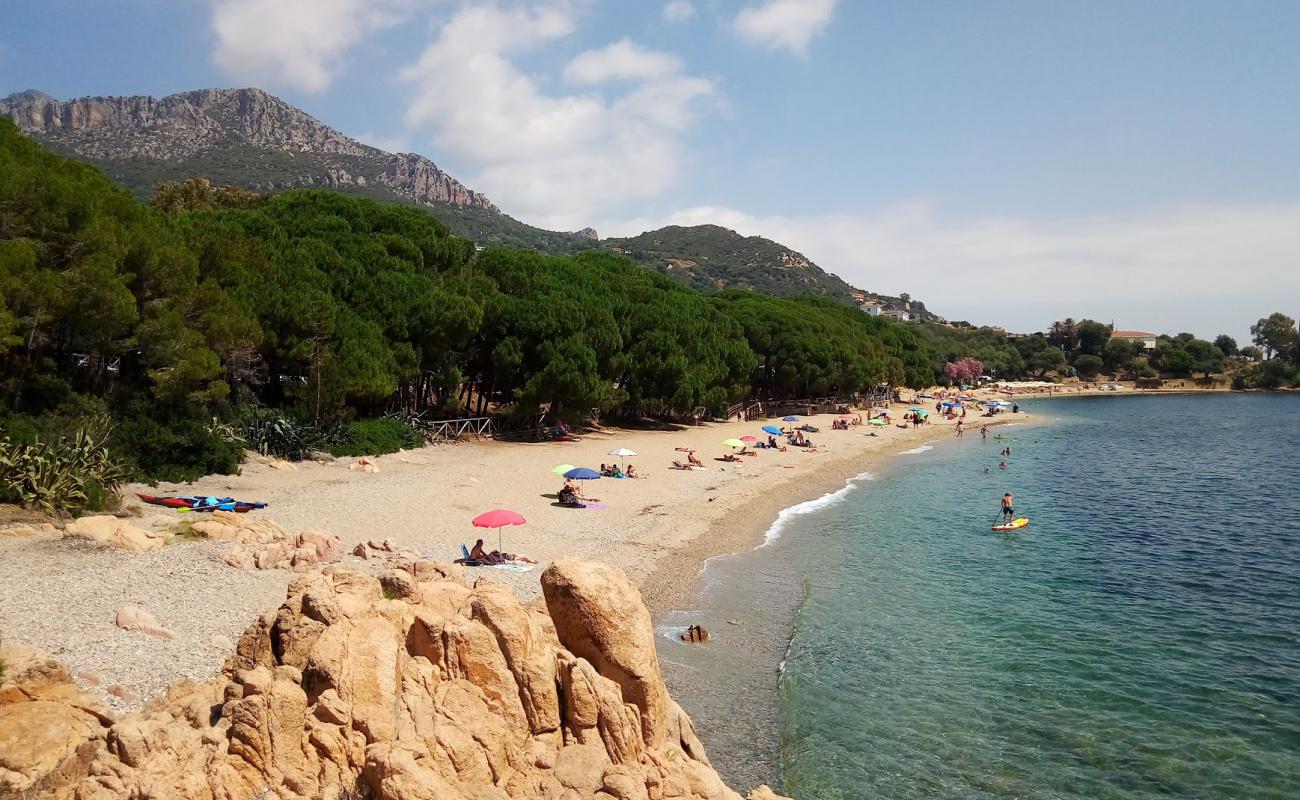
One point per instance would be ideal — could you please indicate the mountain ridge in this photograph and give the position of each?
(249, 138)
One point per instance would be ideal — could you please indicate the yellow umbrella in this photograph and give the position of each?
(733, 443)
(560, 469)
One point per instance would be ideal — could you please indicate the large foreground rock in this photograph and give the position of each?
(446, 691)
(46, 726)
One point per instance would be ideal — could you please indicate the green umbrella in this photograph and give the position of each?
(560, 469)
(733, 443)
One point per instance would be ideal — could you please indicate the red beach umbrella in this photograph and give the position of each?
(498, 519)
(748, 439)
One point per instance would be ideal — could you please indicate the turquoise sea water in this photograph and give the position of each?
(1141, 639)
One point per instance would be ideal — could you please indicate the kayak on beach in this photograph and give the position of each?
(1018, 522)
(201, 503)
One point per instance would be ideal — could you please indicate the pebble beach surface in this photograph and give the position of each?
(62, 594)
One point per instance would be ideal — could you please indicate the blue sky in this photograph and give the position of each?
(1007, 162)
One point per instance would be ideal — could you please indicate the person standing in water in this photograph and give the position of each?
(1008, 510)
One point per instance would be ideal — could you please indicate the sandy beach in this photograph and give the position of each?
(659, 528)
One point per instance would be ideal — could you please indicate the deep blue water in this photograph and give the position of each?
(1140, 639)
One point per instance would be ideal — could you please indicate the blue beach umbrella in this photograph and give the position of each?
(790, 419)
(914, 408)
(582, 474)
(772, 429)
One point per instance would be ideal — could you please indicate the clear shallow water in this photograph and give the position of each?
(1140, 639)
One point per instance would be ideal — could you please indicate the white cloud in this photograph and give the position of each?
(784, 24)
(1205, 269)
(679, 11)
(295, 43)
(552, 158)
(622, 60)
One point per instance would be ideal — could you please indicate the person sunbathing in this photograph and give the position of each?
(631, 471)
(730, 457)
(690, 456)
(477, 553)
(680, 465)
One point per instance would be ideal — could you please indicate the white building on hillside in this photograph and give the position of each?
(1148, 340)
(896, 313)
(872, 308)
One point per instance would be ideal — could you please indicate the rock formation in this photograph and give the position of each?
(134, 618)
(118, 532)
(413, 689)
(223, 125)
(261, 544)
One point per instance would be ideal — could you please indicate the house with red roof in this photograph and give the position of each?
(1148, 340)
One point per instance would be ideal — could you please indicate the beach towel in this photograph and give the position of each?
(511, 567)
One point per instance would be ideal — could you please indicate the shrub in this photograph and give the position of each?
(175, 449)
(65, 474)
(373, 437)
(1088, 365)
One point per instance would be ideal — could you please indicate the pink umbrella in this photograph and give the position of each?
(748, 439)
(498, 519)
(846, 416)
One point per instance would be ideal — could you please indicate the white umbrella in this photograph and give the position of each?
(622, 453)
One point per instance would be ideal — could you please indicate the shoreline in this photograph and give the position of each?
(676, 579)
(658, 530)
(661, 531)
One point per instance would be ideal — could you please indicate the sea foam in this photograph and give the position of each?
(829, 499)
(917, 450)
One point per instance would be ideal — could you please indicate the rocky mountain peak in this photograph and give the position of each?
(246, 137)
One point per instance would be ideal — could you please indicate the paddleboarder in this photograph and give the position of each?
(1008, 509)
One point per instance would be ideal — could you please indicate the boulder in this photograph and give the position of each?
(117, 532)
(135, 618)
(413, 688)
(230, 526)
(303, 551)
(599, 616)
(48, 729)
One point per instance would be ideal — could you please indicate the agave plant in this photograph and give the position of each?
(272, 433)
(60, 474)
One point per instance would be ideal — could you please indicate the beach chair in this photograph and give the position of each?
(465, 559)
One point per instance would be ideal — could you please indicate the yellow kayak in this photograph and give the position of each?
(1018, 522)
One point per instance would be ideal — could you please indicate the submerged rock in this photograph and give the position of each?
(418, 687)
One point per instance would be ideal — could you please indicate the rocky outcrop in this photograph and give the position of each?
(118, 532)
(419, 179)
(231, 123)
(261, 544)
(47, 727)
(431, 689)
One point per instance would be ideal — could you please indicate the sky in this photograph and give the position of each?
(1009, 163)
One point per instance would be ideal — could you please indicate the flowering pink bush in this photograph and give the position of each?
(964, 370)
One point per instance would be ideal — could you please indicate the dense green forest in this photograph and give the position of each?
(217, 319)
(175, 335)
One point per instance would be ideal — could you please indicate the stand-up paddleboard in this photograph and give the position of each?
(1015, 524)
